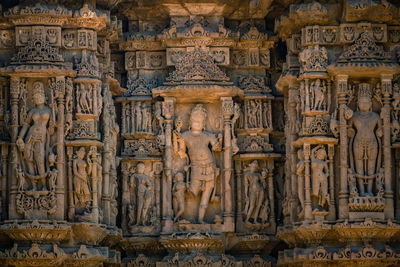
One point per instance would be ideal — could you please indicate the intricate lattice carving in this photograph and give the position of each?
(364, 50)
(140, 87)
(38, 51)
(313, 59)
(254, 84)
(197, 67)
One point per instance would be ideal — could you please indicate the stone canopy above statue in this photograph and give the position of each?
(197, 77)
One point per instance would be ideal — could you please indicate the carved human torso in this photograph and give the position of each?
(254, 181)
(40, 117)
(81, 166)
(319, 167)
(365, 146)
(197, 144)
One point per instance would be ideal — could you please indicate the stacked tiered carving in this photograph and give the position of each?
(343, 102)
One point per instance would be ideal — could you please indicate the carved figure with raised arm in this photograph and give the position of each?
(254, 191)
(203, 170)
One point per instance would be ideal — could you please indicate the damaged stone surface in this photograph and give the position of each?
(199, 133)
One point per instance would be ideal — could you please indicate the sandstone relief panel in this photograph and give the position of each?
(206, 133)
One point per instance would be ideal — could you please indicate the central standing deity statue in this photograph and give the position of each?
(202, 163)
(366, 146)
(34, 138)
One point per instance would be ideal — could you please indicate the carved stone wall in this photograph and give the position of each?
(199, 133)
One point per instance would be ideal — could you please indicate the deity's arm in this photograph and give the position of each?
(300, 167)
(216, 143)
(52, 122)
(174, 189)
(379, 131)
(313, 152)
(75, 169)
(132, 181)
(326, 168)
(26, 124)
(181, 149)
(246, 185)
(90, 166)
(350, 128)
(149, 185)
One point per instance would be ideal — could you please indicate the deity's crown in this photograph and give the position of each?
(364, 90)
(199, 111)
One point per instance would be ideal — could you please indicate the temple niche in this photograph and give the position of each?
(199, 133)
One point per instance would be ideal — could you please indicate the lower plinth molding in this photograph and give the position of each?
(367, 255)
(363, 243)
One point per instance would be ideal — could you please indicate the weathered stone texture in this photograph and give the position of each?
(199, 133)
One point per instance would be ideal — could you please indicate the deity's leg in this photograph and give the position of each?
(205, 199)
(259, 204)
(372, 155)
(252, 201)
(140, 209)
(28, 157)
(315, 185)
(361, 186)
(194, 187)
(86, 192)
(146, 207)
(324, 190)
(77, 186)
(181, 208)
(369, 187)
(39, 156)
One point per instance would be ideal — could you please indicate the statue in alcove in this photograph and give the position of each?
(203, 170)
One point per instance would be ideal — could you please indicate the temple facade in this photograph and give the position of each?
(199, 133)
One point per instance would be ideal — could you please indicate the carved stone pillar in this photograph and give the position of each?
(332, 207)
(59, 94)
(343, 190)
(71, 205)
(167, 213)
(14, 92)
(125, 195)
(94, 180)
(270, 167)
(124, 129)
(307, 183)
(157, 169)
(106, 170)
(227, 110)
(397, 176)
(4, 172)
(293, 93)
(386, 81)
(239, 179)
